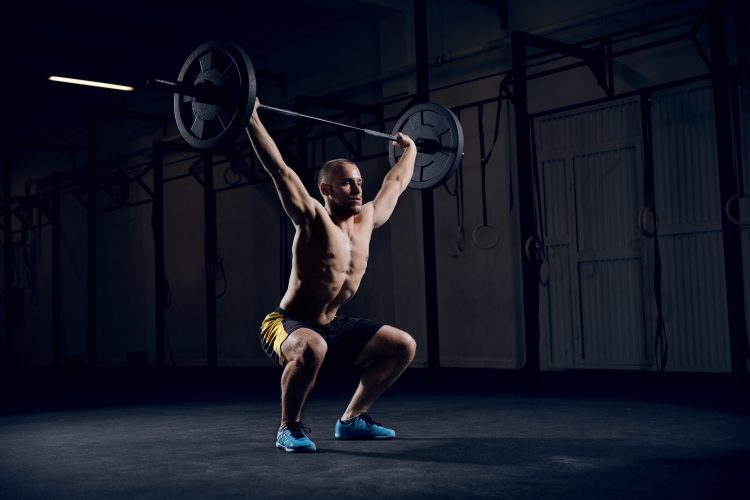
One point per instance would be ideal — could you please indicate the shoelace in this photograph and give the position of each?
(297, 429)
(368, 420)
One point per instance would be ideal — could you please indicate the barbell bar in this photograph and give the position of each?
(423, 144)
(215, 94)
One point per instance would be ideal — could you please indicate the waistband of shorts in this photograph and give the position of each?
(287, 315)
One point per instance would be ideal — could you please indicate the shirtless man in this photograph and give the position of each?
(329, 257)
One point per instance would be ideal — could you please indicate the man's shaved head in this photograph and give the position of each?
(329, 168)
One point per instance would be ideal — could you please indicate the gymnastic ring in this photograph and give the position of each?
(494, 241)
(232, 176)
(728, 207)
(642, 221)
(532, 245)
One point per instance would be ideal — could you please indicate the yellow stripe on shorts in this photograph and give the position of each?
(273, 334)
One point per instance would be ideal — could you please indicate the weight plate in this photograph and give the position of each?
(437, 123)
(224, 66)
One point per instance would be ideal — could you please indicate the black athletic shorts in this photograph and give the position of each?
(345, 336)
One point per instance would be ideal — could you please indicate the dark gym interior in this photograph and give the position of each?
(572, 258)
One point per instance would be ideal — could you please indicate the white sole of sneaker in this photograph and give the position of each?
(295, 450)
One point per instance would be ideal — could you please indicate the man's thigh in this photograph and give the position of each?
(387, 342)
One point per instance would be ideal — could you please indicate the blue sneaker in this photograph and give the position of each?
(362, 427)
(292, 438)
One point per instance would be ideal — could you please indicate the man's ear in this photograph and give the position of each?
(324, 189)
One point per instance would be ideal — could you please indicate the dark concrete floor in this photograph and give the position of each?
(185, 439)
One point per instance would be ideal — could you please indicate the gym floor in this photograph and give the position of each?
(482, 434)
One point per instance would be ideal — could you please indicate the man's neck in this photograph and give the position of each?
(343, 222)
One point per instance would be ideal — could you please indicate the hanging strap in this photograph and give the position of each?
(734, 102)
(534, 247)
(458, 193)
(485, 158)
(661, 342)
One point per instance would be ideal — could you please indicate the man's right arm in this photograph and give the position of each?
(295, 199)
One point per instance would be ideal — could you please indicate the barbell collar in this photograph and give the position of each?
(204, 94)
(429, 146)
(382, 135)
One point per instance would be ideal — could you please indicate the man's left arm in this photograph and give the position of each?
(395, 182)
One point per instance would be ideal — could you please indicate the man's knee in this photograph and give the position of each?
(407, 346)
(307, 349)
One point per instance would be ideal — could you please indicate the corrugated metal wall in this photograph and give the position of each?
(598, 309)
(608, 199)
(686, 184)
(560, 330)
(593, 308)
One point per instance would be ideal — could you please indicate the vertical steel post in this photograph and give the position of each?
(91, 245)
(524, 165)
(160, 288)
(727, 188)
(210, 252)
(428, 204)
(7, 258)
(56, 274)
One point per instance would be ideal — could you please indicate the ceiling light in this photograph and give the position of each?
(90, 83)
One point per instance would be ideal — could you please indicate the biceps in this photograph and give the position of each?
(385, 202)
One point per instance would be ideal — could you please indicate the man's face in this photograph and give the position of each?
(345, 190)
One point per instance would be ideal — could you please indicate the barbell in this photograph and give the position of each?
(214, 96)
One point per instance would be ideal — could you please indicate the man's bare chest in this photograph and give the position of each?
(347, 252)
(344, 250)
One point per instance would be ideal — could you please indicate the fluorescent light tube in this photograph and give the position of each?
(90, 83)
